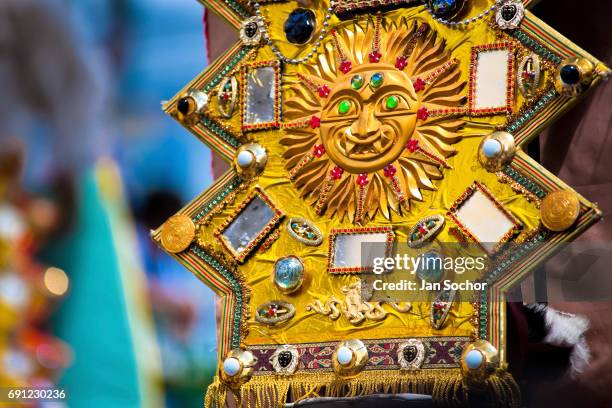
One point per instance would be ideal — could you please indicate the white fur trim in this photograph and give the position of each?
(566, 330)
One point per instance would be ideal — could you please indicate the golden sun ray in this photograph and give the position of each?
(375, 129)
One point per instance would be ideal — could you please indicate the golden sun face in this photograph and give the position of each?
(364, 128)
(373, 130)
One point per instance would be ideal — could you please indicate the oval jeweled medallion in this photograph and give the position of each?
(510, 14)
(425, 230)
(411, 354)
(528, 75)
(177, 233)
(559, 210)
(274, 312)
(288, 274)
(227, 96)
(440, 308)
(304, 231)
(285, 360)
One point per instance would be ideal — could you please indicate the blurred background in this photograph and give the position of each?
(89, 164)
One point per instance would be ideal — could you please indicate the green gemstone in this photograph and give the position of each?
(391, 102)
(357, 82)
(343, 107)
(376, 80)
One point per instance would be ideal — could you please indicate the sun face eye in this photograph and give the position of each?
(391, 102)
(344, 106)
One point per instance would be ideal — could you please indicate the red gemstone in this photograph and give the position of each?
(314, 122)
(401, 62)
(422, 229)
(318, 150)
(345, 66)
(324, 91)
(225, 96)
(390, 170)
(374, 56)
(412, 145)
(337, 172)
(362, 179)
(422, 114)
(419, 85)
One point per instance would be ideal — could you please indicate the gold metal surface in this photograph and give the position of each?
(559, 210)
(177, 233)
(359, 361)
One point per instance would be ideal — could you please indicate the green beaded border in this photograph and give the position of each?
(216, 128)
(534, 45)
(524, 181)
(238, 8)
(226, 69)
(236, 287)
(483, 315)
(531, 112)
(210, 205)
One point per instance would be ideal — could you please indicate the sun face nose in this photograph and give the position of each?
(366, 125)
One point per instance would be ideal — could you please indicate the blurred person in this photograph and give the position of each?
(55, 95)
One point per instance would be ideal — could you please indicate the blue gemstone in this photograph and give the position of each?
(473, 359)
(430, 269)
(445, 8)
(300, 25)
(288, 273)
(570, 74)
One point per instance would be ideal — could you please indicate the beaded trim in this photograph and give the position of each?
(241, 293)
(529, 113)
(527, 183)
(331, 255)
(247, 68)
(345, 8)
(222, 131)
(274, 221)
(464, 197)
(219, 201)
(535, 46)
(509, 79)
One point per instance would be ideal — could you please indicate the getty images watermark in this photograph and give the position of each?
(429, 267)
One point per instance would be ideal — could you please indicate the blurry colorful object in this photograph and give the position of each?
(29, 356)
(397, 125)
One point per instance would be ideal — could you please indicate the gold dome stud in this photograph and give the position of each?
(559, 210)
(496, 150)
(250, 160)
(479, 361)
(573, 76)
(190, 105)
(238, 367)
(349, 358)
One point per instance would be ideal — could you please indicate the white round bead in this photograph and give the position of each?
(231, 366)
(473, 359)
(245, 159)
(344, 355)
(491, 148)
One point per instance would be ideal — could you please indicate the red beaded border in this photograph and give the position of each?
(352, 231)
(517, 226)
(509, 79)
(278, 216)
(275, 124)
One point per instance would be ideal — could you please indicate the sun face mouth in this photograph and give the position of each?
(375, 145)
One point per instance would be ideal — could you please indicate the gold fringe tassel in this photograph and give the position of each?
(446, 387)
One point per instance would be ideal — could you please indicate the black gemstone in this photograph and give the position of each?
(183, 105)
(284, 358)
(570, 74)
(300, 25)
(508, 12)
(250, 29)
(410, 353)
